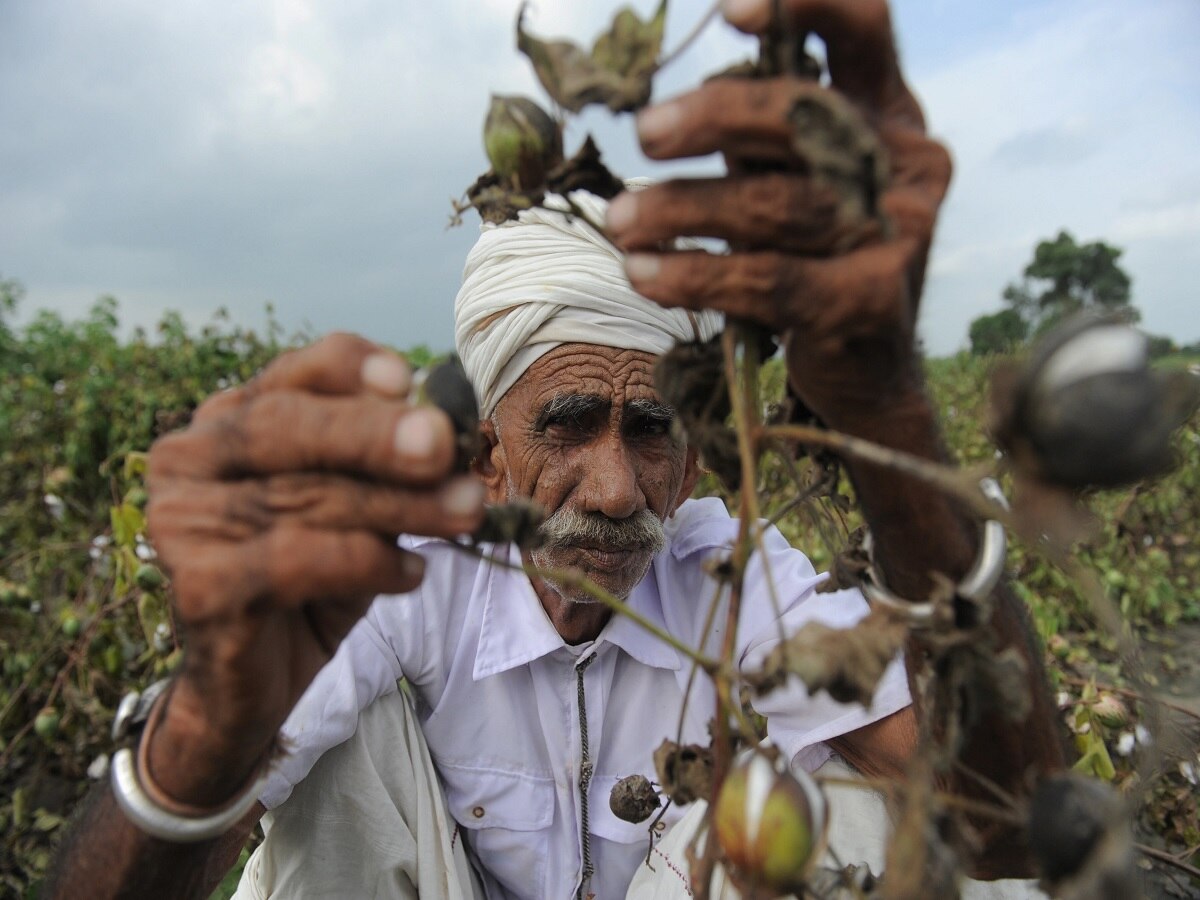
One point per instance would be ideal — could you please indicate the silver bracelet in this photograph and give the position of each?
(142, 810)
(976, 585)
(168, 826)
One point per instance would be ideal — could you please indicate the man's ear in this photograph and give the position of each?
(491, 465)
(691, 475)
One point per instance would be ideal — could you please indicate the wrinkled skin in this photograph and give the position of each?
(275, 512)
(613, 460)
(848, 320)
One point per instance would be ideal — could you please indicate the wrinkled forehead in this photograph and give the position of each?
(605, 374)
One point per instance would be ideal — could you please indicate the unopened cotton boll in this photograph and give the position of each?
(770, 823)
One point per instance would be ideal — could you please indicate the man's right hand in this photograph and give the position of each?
(276, 514)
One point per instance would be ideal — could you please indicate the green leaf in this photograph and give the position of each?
(127, 523)
(46, 821)
(135, 464)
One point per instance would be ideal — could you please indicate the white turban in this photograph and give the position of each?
(548, 279)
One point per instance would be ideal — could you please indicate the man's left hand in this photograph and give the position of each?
(848, 317)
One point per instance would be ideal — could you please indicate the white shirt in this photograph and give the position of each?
(497, 692)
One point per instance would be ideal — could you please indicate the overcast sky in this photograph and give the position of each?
(190, 155)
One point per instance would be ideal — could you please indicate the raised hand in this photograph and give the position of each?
(844, 296)
(276, 513)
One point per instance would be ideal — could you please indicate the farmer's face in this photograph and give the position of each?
(583, 434)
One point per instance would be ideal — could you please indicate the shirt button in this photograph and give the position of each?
(660, 826)
(477, 812)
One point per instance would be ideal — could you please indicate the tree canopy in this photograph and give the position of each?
(999, 332)
(1064, 277)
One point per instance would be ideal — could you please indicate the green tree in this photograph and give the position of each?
(999, 332)
(1065, 277)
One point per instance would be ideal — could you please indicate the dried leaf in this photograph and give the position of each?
(685, 772)
(840, 149)
(617, 72)
(849, 566)
(584, 172)
(499, 200)
(922, 860)
(845, 662)
(691, 377)
(495, 200)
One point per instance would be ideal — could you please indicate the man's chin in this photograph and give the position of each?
(616, 571)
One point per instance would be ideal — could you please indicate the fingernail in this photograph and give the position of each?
(622, 212)
(386, 373)
(642, 266)
(657, 122)
(416, 433)
(463, 497)
(739, 12)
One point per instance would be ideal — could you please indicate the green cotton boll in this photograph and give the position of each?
(45, 725)
(522, 141)
(148, 577)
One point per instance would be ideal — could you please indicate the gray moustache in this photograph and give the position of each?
(571, 528)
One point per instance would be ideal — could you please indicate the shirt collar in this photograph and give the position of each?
(515, 629)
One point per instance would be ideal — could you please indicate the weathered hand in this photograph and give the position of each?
(276, 513)
(845, 297)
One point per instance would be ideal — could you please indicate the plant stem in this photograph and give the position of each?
(959, 483)
(1127, 692)
(1165, 857)
(574, 579)
(692, 35)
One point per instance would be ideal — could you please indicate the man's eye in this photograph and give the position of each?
(652, 426)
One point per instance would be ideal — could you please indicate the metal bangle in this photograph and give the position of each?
(168, 826)
(136, 798)
(981, 579)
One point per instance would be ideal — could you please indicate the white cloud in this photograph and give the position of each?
(1179, 221)
(1074, 121)
(194, 154)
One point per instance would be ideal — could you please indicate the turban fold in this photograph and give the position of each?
(548, 279)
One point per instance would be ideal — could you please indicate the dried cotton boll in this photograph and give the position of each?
(1110, 711)
(447, 387)
(770, 823)
(1087, 410)
(633, 799)
(1079, 832)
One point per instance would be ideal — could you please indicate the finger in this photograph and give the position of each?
(860, 46)
(785, 211)
(244, 509)
(862, 290)
(289, 431)
(288, 567)
(337, 364)
(741, 117)
(307, 565)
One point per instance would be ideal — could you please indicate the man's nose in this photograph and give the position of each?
(610, 480)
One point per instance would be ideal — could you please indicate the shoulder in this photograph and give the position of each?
(703, 525)
(698, 526)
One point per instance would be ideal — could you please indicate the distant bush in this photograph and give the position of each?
(84, 614)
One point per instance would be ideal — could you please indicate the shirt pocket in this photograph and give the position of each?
(507, 818)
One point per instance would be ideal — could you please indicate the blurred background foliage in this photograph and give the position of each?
(84, 612)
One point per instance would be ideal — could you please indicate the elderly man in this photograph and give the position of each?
(277, 510)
